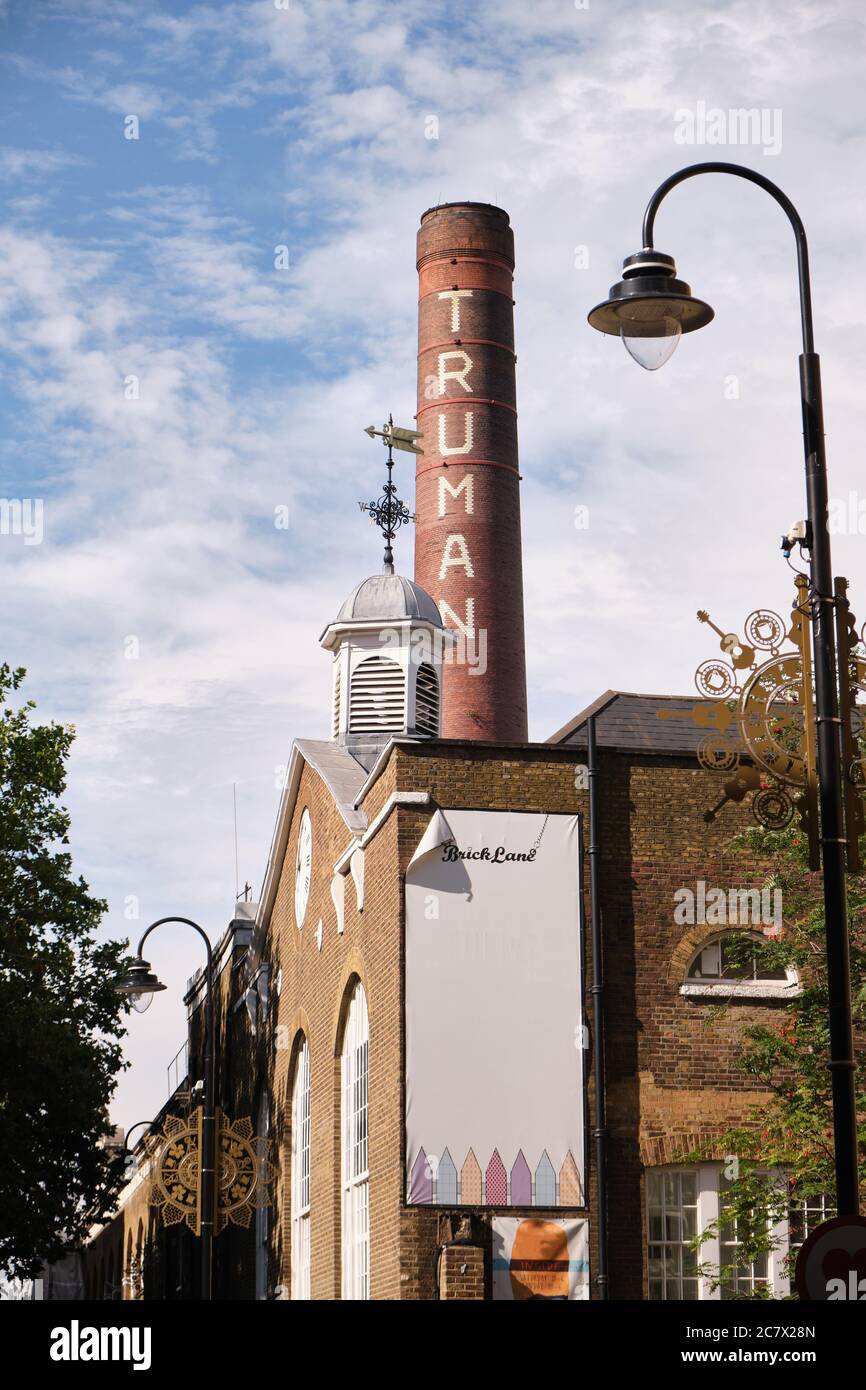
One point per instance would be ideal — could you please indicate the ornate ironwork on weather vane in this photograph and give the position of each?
(389, 513)
(759, 703)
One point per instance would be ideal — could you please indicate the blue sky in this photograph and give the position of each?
(309, 127)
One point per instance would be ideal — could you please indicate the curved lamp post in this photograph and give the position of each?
(650, 309)
(140, 985)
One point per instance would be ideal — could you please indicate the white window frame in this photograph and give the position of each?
(301, 1173)
(814, 1211)
(355, 1146)
(708, 1186)
(713, 988)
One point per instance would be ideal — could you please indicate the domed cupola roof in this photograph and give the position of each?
(390, 596)
(387, 598)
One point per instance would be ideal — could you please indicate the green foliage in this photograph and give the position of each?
(784, 1154)
(60, 1018)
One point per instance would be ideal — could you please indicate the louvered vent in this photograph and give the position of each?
(427, 701)
(335, 722)
(376, 697)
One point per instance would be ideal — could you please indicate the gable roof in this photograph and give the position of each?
(343, 776)
(630, 722)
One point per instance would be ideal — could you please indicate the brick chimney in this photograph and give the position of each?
(467, 505)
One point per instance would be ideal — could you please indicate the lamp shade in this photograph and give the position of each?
(139, 985)
(650, 309)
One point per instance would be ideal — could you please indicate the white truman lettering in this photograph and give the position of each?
(454, 376)
(467, 627)
(465, 485)
(460, 558)
(464, 448)
(455, 296)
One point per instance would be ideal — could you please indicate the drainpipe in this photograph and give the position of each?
(599, 1132)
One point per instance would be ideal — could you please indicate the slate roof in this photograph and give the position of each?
(342, 774)
(630, 722)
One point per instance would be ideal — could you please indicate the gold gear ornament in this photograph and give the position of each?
(176, 1186)
(773, 714)
(244, 1176)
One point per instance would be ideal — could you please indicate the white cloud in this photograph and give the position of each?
(15, 164)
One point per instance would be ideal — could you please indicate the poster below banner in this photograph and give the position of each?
(494, 1062)
(535, 1257)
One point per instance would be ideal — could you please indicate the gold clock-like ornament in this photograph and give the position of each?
(176, 1186)
(303, 867)
(244, 1174)
(758, 703)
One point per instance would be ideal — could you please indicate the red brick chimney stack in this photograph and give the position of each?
(467, 534)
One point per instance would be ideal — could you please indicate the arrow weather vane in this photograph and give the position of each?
(390, 513)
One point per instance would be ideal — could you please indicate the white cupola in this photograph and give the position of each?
(388, 646)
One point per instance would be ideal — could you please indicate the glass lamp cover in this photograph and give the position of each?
(651, 342)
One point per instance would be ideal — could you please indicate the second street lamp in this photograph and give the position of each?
(140, 985)
(650, 309)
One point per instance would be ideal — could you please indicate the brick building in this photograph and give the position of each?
(669, 1054)
(315, 982)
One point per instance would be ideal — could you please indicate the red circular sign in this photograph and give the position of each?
(831, 1265)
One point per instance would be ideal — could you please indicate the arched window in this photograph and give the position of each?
(427, 701)
(262, 1210)
(355, 1149)
(128, 1289)
(377, 697)
(719, 969)
(301, 1174)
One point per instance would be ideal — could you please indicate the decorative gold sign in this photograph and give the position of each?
(244, 1174)
(176, 1186)
(760, 703)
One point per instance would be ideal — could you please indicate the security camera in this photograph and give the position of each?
(799, 533)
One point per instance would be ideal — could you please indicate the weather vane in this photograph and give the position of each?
(390, 513)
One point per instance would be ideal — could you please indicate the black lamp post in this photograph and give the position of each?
(140, 985)
(650, 309)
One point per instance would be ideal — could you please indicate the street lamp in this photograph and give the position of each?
(650, 309)
(140, 986)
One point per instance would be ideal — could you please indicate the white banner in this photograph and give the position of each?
(494, 1060)
(538, 1258)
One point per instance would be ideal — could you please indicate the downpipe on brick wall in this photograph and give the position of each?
(599, 1132)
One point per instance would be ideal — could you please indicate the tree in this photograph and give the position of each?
(781, 1160)
(60, 1018)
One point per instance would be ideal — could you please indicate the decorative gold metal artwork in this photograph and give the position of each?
(176, 1186)
(759, 703)
(244, 1174)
